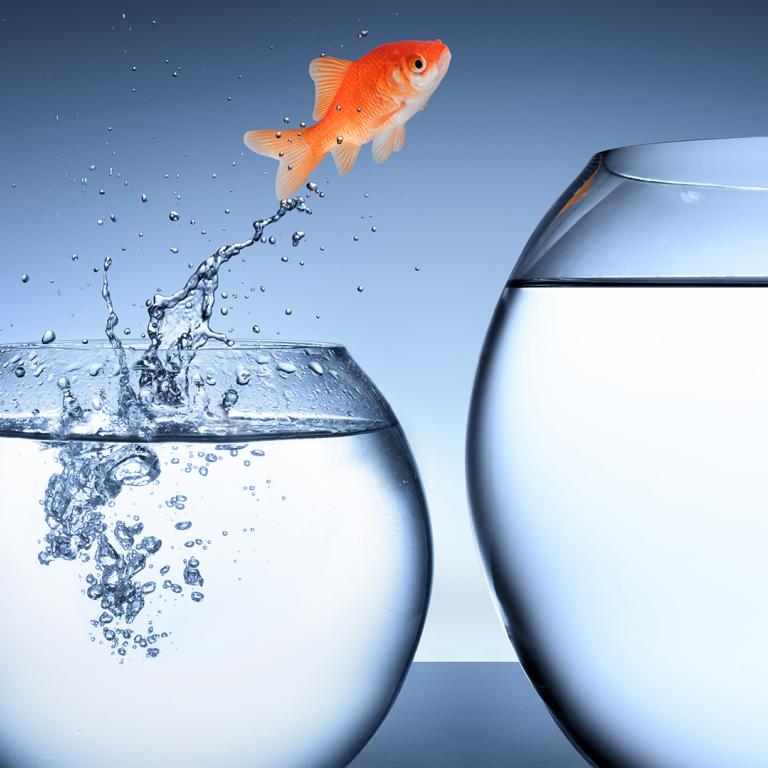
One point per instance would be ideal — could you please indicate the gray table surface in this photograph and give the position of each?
(468, 715)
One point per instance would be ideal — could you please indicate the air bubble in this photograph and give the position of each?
(230, 398)
(48, 337)
(174, 216)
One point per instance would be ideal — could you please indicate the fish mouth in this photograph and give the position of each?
(444, 61)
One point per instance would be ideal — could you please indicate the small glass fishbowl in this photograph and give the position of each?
(616, 456)
(240, 581)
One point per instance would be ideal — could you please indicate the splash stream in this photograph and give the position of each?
(93, 474)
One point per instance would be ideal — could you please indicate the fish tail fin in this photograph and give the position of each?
(295, 151)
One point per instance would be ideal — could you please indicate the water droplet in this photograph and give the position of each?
(272, 239)
(173, 216)
(25, 278)
(373, 229)
(197, 596)
(184, 525)
(226, 210)
(286, 367)
(174, 249)
(112, 217)
(256, 329)
(62, 382)
(102, 192)
(243, 376)
(99, 221)
(362, 33)
(297, 237)
(316, 367)
(48, 337)
(355, 238)
(278, 134)
(360, 289)
(19, 371)
(224, 310)
(286, 120)
(284, 259)
(144, 198)
(288, 311)
(339, 139)
(338, 107)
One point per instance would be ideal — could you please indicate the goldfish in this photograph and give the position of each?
(356, 102)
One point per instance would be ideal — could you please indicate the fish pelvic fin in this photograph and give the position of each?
(345, 155)
(295, 152)
(388, 142)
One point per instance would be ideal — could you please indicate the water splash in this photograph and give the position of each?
(93, 474)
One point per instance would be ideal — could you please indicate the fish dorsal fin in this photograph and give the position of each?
(327, 73)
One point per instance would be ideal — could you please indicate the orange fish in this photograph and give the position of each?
(370, 99)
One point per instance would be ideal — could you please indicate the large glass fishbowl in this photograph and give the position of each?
(617, 451)
(235, 574)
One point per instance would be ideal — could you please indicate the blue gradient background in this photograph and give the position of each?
(533, 91)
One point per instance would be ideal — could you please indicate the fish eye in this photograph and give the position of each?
(417, 63)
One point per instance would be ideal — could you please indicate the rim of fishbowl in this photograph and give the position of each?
(736, 162)
(141, 345)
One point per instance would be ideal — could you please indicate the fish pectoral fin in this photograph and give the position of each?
(296, 155)
(327, 73)
(345, 156)
(388, 142)
(384, 119)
